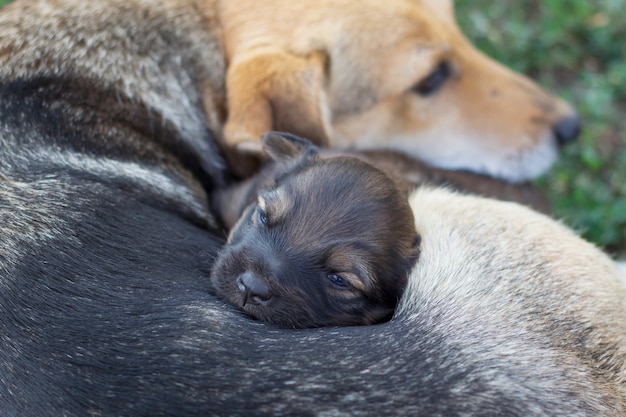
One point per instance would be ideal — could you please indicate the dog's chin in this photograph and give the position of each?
(513, 166)
(285, 320)
(472, 152)
(524, 164)
(288, 317)
(256, 312)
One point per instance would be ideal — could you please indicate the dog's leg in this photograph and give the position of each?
(275, 91)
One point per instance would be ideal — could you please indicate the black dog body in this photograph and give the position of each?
(106, 243)
(101, 224)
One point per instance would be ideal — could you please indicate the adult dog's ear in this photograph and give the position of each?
(276, 91)
(286, 148)
(443, 8)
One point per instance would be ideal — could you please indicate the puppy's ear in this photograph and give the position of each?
(286, 148)
(276, 91)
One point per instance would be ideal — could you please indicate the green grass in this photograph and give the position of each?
(576, 49)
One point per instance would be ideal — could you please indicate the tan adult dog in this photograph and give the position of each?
(394, 73)
(365, 74)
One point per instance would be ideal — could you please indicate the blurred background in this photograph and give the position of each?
(576, 49)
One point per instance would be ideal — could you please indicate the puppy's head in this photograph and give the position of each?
(327, 242)
(393, 73)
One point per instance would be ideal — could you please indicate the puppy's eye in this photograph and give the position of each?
(338, 280)
(263, 218)
(434, 80)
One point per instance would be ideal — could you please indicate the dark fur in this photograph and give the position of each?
(330, 241)
(107, 242)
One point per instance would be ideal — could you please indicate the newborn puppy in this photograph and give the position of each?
(319, 241)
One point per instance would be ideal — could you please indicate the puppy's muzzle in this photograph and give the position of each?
(253, 289)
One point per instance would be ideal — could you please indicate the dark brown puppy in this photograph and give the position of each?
(328, 241)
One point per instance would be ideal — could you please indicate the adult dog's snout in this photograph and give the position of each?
(254, 289)
(567, 129)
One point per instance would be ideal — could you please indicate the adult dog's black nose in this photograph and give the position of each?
(567, 129)
(254, 289)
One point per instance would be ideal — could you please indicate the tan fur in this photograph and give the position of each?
(342, 72)
(500, 269)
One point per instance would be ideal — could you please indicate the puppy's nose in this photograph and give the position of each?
(567, 129)
(254, 289)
